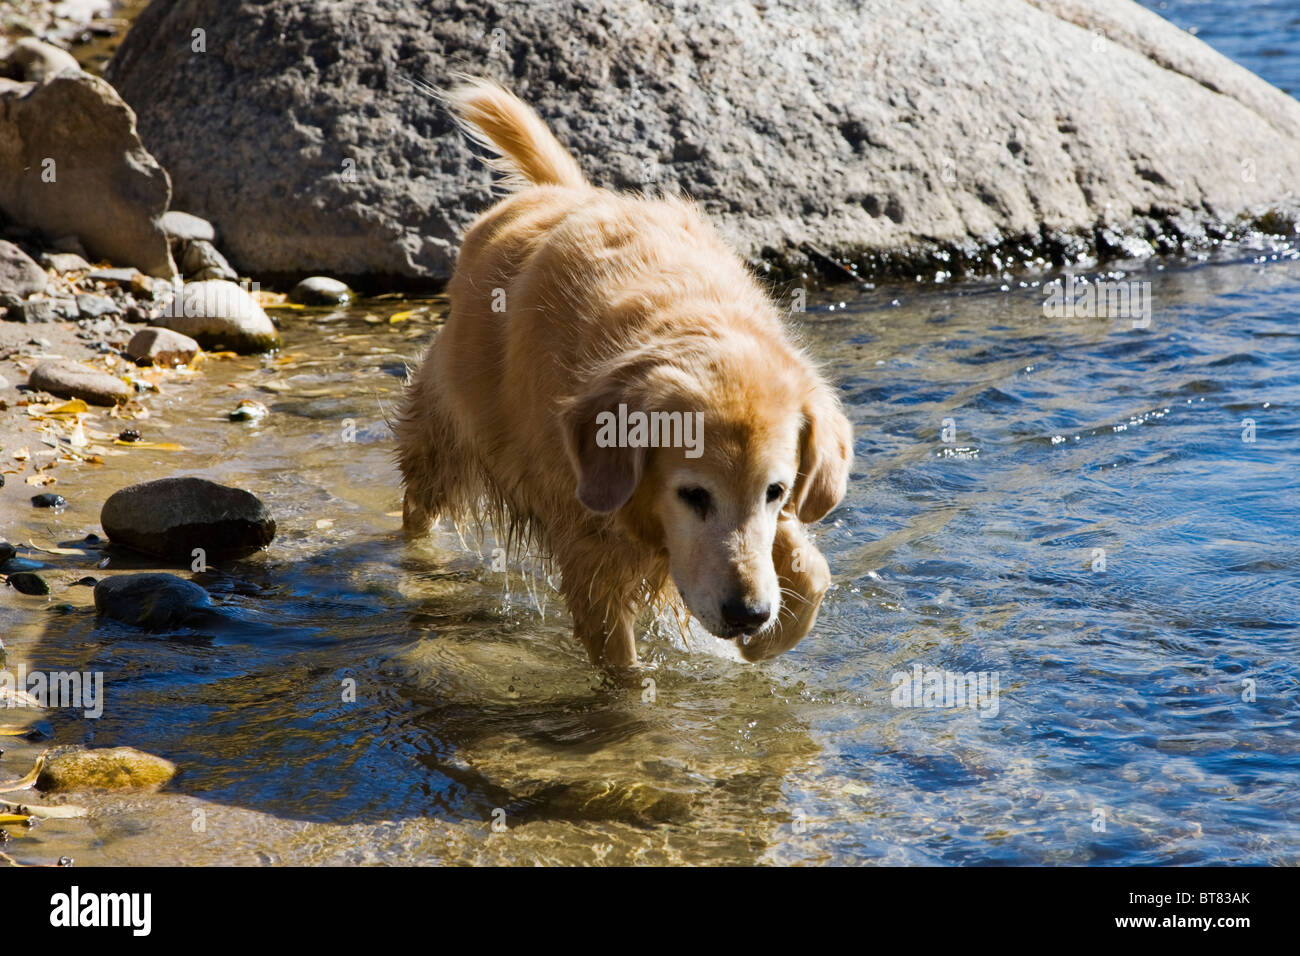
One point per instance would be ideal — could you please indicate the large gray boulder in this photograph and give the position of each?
(911, 136)
(71, 164)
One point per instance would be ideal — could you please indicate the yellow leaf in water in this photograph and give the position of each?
(158, 445)
(41, 479)
(63, 811)
(66, 410)
(13, 818)
(51, 549)
(223, 355)
(22, 454)
(24, 783)
(401, 316)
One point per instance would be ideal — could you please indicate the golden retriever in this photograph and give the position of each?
(613, 388)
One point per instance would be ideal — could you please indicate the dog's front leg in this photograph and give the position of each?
(804, 577)
(608, 637)
(601, 609)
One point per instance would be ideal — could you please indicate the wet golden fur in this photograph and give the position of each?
(566, 301)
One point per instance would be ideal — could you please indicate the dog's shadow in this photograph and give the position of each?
(370, 682)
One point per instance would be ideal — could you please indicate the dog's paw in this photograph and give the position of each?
(804, 577)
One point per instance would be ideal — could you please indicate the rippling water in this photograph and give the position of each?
(1120, 690)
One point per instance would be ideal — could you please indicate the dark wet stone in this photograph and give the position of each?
(151, 601)
(25, 582)
(49, 500)
(172, 517)
(7, 551)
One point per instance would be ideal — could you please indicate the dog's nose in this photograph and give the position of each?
(743, 617)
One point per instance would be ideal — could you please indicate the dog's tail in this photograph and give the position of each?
(527, 152)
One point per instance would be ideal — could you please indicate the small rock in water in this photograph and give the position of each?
(157, 346)
(7, 551)
(153, 602)
(26, 582)
(73, 380)
(320, 290)
(49, 500)
(171, 517)
(115, 768)
(19, 273)
(129, 434)
(184, 226)
(220, 315)
(249, 411)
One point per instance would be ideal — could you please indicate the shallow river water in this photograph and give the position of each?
(1089, 528)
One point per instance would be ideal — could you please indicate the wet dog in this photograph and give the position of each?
(613, 386)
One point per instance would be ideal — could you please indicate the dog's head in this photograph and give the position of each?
(697, 449)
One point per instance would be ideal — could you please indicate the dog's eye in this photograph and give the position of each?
(697, 498)
(775, 492)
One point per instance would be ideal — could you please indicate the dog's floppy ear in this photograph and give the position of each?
(607, 474)
(825, 453)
